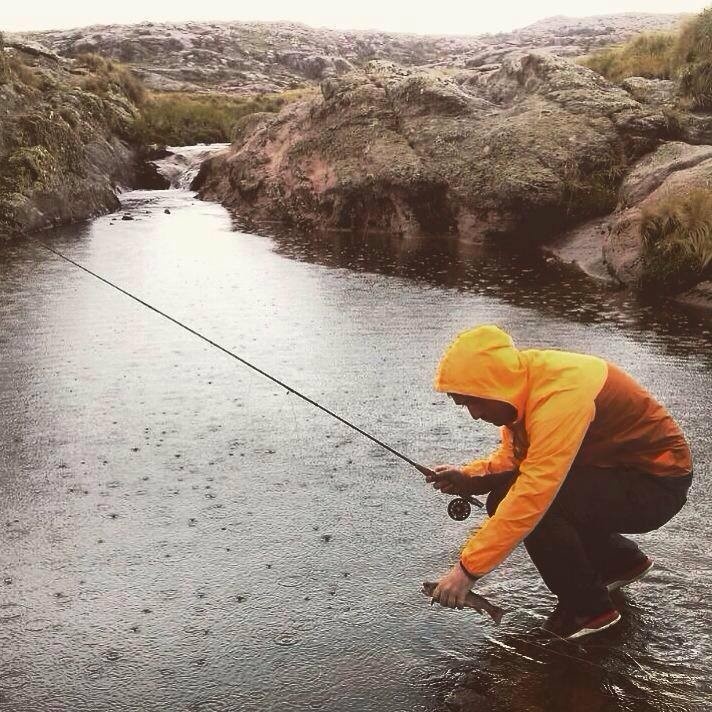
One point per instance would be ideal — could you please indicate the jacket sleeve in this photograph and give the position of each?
(501, 460)
(556, 431)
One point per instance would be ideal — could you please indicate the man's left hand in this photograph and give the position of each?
(453, 587)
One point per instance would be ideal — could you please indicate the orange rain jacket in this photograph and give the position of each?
(570, 407)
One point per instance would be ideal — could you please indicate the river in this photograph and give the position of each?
(179, 533)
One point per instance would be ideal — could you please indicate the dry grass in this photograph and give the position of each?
(685, 56)
(108, 76)
(677, 239)
(649, 55)
(180, 119)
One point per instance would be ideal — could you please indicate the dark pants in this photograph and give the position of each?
(578, 544)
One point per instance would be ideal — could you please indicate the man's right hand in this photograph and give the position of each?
(452, 480)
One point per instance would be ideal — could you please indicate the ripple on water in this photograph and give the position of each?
(287, 638)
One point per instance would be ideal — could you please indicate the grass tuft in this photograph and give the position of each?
(108, 76)
(685, 56)
(649, 55)
(677, 239)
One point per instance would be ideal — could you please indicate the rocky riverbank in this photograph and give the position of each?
(65, 139)
(527, 151)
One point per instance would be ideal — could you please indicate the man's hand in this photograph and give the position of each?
(452, 588)
(452, 480)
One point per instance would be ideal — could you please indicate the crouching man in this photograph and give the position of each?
(586, 455)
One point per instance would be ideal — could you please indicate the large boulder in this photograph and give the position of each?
(523, 150)
(673, 169)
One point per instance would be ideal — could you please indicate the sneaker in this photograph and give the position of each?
(634, 573)
(564, 624)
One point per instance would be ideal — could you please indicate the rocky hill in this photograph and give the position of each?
(264, 57)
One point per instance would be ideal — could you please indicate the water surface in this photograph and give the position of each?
(178, 533)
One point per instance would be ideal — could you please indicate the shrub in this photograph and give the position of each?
(109, 76)
(648, 55)
(12, 68)
(677, 239)
(696, 85)
(694, 41)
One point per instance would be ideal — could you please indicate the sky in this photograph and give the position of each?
(442, 17)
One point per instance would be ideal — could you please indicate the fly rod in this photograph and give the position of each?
(458, 508)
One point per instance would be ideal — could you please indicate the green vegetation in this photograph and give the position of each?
(677, 239)
(13, 69)
(180, 119)
(649, 55)
(685, 56)
(108, 77)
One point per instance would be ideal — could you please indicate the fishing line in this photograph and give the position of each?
(461, 502)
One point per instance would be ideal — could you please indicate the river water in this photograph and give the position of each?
(178, 533)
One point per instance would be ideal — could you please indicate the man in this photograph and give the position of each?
(587, 454)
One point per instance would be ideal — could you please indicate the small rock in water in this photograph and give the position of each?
(167, 211)
(326, 538)
(7, 580)
(127, 217)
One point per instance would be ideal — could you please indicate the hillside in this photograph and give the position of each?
(249, 57)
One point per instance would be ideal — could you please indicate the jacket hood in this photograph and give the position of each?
(484, 362)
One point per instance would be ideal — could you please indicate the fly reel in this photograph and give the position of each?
(460, 508)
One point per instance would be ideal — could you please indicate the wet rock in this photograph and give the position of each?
(415, 152)
(147, 177)
(699, 296)
(326, 538)
(583, 247)
(127, 217)
(648, 174)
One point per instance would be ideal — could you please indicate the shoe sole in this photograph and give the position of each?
(590, 631)
(615, 585)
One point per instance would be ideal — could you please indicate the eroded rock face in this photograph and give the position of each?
(63, 149)
(674, 168)
(524, 149)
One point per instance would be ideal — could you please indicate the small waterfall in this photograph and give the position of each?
(183, 163)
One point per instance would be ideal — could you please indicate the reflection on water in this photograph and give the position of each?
(528, 279)
(180, 534)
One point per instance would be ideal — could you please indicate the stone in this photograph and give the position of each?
(622, 247)
(524, 151)
(658, 92)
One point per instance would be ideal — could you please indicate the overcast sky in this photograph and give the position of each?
(440, 17)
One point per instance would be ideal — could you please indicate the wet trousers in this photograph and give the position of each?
(578, 543)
